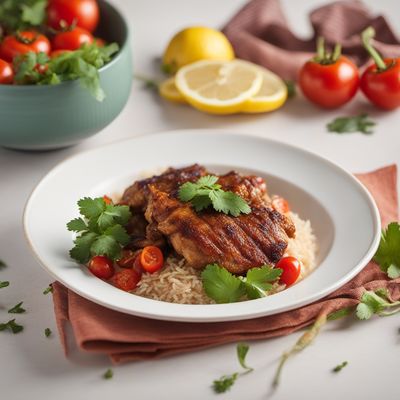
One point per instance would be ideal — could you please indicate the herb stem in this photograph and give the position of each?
(366, 37)
(320, 48)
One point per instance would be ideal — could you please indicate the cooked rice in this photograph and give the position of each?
(176, 283)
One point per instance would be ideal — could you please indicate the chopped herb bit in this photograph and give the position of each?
(4, 284)
(47, 332)
(358, 123)
(224, 287)
(339, 367)
(291, 88)
(101, 231)
(376, 302)
(388, 254)
(148, 83)
(12, 326)
(21, 14)
(48, 290)
(17, 309)
(304, 341)
(241, 351)
(108, 374)
(224, 383)
(169, 69)
(2, 264)
(207, 192)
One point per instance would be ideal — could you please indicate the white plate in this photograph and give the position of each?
(342, 213)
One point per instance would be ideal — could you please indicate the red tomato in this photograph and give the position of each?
(22, 43)
(100, 42)
(126, 279)
(128, 258)
(107, 199)
(6, 73)
(329, 85)
(382, 87)
(57, 53)
(72, 40)
(85, 13)
(291, 268)
(152, 259)
(102, 267)
(280, 204)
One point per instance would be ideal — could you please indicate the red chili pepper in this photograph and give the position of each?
(380, 82)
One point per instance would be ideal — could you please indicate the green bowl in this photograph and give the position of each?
(52, 117)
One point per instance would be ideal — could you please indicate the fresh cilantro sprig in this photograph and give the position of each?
(82, 64)
(358, 123)
(224, 287)
(101, 229)
(376, 302)
(12, 326)
(224, 383)
(207, 192)
(21, 14)
(388, 254)
(17, 309)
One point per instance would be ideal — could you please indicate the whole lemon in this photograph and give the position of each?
(194, 44)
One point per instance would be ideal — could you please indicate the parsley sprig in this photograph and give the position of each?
(224, 287)
(207, 192)
(358, 123)
(224, 383)
(21, 14)
(101, 229)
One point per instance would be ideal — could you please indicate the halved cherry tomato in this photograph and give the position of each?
(128, 258)
(107, 199)
(137, 265)
(280, 204)
(102, 267)
(126, 279)
(6, 73)
(72, 40)
(22, 43)
(329, 80)
(152, 259)
(291, 268)
(85, 13)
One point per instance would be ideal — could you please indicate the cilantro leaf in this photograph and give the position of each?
(224, 383)
(221, 285)
(118, 233)
(106, 245)
(12, 326)
(241, 351)
(258, 280)
(108, 374)
(4, 284)
(388, 254)
(34, 14)
(376, 302)
(91, 208)
(77, 225)
(363, 311)
(358, 123)
(82, 250)
(206, 192)
(21, 14)
(47, 332)
(17, 309)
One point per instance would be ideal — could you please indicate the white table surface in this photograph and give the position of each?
(35, 367)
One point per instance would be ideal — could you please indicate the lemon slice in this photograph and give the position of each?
(168, 90)
(218, 87)
(271, 96)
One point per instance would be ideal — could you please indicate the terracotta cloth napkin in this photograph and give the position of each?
(125, 337)
(260, 33)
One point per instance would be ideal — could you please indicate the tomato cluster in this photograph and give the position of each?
(70, 24)
(331, 80)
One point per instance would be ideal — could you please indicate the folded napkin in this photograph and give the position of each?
(260, 33)
(125, 337)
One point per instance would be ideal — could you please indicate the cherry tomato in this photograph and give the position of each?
(126, 279)
(85, 13)
(72, 40)
(107, 199)
(329, 80)
(280, 204)
(57, 53)
(6, 73)
(102, 267)
(137, 265)
(22, 43)
(152, 259)
(100, 42)
(128, 258)
(291, 268)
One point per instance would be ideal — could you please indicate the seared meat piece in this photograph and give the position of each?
(237, 243)
(136, 196)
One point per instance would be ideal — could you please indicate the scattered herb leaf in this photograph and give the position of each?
(258, 281)
(101, 230)
(108, 374)
(2, 264)
(304, 341)
(17, 309)
(358, 123)
(4, 284)
(12, 326)
(207, 192)
(376, 302)
(388, 254)
(241, 351)
(291, 88)
(339, 367)
(48, 290)
(224, 383)
(148, 83)
(47, 332)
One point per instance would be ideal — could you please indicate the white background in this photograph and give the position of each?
(34, 367)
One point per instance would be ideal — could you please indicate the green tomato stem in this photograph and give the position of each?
(337, 51)
(320, 48)
(366, 37)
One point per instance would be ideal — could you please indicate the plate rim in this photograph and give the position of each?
(375, 216)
